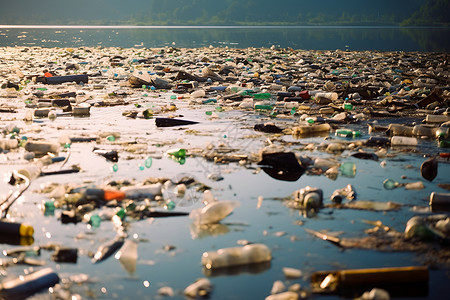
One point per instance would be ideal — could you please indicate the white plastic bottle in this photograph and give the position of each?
(8, 144)
(143, 191)
(403, 141)
(234, 256)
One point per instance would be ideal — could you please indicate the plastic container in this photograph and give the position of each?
(442, 133)
(200, 288)
(399, 130)
(143, 191)
(234, 256)
(440, 201)
(198, 94)
(8, 144)
(213, 212)
(31, 172)
(102, 194)
(81, 110)
(420, 130)
(16, 229)
(311, 129)
(68, 78)
(444, 144)
(348, 133)
(330, 96)
(403, 141)
(41, 147)
(437, 118)
(309, 197)
(27, 285)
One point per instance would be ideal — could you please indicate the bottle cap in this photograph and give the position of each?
(26, 230)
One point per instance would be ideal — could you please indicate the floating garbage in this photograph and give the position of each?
(213, 212)
(200, 288)
(28, 285)
(128, 255)
(339, 281)
(107, 249)
(169, 122)
(317, 115)
(281, 166)
(228, 257)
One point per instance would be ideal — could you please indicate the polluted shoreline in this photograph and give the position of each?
(207, 172)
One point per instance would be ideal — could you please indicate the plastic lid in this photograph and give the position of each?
(26, 230)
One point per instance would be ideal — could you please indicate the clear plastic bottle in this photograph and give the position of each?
(420, 130)
(213, 212)
(399, 130)
(234, 256)
(143, 191)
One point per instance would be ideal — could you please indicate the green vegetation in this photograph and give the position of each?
(226, 12)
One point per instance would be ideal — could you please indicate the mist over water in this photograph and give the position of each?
(377, 38)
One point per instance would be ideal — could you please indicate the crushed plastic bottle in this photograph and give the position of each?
(213, 212)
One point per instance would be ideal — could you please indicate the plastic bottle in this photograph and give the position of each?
(41, 147)
(263, 107)
(403, 141)
(262, 96)
(331, 96)
(234, 256)
(177, 152)
(17, 229)
(347, 106)
(442, 133)
(198, 94)
(213, 212)
(440, 201)
(200, 288)
(444, 144)
(437, 118)
(348, 133)
(309, 197)
(8, 144)
(399, 130)
(143, 191)
(310, 129)
(27, 285)
(102, 194)
(67, 78)
(420, 130)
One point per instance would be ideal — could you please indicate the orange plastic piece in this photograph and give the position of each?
(114, 195)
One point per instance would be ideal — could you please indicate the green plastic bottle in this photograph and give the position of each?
(262, 96)
(177, 152)
(444, 144)
(264, 107)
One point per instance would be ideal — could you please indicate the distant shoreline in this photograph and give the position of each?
(206, 26)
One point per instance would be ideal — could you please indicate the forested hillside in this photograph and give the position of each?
(226, 12)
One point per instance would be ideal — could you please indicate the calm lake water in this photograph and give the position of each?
(308, 38)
